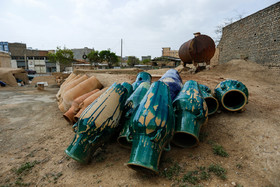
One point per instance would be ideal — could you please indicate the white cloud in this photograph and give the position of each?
(145, 26)
(31, 3)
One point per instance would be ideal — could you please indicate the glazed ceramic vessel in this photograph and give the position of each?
(232, 94)
(174, 82)
(141, 77)
(128, 87)
(191, 113)
(131, 104)
(211, 101)
(97, 123)
(87, 102)
(152, 128)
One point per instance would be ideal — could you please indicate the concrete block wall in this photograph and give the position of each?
(256, 38)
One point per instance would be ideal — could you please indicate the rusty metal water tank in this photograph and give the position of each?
(199, 49)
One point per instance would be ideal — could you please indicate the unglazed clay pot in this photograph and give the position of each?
(87, 102)
(131, 104)
(69, 78)
(232, 94)
(141, 77)
(71, 85)
(211, 101)
(74, 109)
(84, 87)
(58, 95)
(174, 82)
(152, 128)
(191, 113)
(97, 123)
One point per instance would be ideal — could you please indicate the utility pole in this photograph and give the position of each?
(121, 52)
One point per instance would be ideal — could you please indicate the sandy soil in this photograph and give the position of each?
(33, 130)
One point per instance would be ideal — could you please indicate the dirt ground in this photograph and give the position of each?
(34, 135)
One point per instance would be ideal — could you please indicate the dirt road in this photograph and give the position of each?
(34, 135)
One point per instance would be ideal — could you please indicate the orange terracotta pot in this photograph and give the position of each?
(68, 79)
(69, 115)
(71, 77)
(86, 86)
(71, 85)
(87, 102)
(58, 95)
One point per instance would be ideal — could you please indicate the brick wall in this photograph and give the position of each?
(166, 51)
(256, 38)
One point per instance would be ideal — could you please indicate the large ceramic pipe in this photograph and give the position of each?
(174, 82)
(87, 102)
(69, 78)
(97, 123)
(84, 87)
(69, 115)
(128, 87)
(141, 77)
(152, 129)
(131, 104)
(232, 94)
(190, 114)
(211, 101)
(70, 85)
(75, 81)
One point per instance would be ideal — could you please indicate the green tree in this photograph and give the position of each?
(109, 57)
(64, 57)
(94, 57)
(146, 61)
(132, 60)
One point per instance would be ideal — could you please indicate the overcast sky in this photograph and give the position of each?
(145, 25)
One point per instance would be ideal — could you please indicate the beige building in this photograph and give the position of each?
(167, 52)
(5, 60)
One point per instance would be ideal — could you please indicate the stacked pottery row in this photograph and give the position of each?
(150, 116)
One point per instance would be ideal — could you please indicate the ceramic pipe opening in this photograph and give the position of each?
(234, 100)
(212, 105)
(183, 139)
(67, 118)
(76, 119)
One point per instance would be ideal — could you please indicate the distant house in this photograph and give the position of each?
(81, 53)
(167, 52)
(28, 58)
(146, 58)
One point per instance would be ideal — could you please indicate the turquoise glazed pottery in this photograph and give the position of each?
(132, 102)
(211, 101)
(174, 82)
(232, 94)
(190, 114)
(97, 123)
(141, 77)
(152, 128)
(128, 87)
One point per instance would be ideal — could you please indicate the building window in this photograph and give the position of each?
(6, 48)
